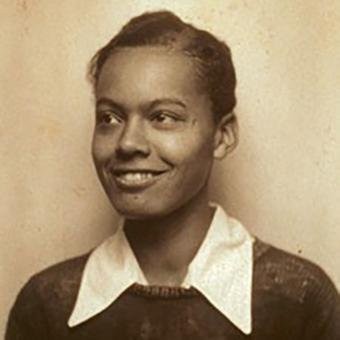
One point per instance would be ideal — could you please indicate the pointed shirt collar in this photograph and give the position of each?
(221, 271)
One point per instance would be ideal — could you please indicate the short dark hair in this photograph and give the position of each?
(211, 57)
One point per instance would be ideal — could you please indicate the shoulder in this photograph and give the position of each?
(48, 294)
(58, 278)
(296, 276)
(282, 265)
(292, 283)
(59, 282)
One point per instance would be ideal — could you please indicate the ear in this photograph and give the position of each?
(226, 136)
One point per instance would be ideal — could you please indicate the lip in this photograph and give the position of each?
(135, 179)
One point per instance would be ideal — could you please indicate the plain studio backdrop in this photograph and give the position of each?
(282, 181)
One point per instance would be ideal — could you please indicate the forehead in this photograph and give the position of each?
(148, 71)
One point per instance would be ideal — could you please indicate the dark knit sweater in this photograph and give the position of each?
(292, 299)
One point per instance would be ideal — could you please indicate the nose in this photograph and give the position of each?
(133, 140)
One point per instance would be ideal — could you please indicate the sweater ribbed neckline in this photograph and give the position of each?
(162, 291)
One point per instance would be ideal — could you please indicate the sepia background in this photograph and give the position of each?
(282, 181)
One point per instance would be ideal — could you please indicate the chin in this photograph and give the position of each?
(135, 209)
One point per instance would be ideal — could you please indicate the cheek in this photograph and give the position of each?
(102, 148)
(189, 149)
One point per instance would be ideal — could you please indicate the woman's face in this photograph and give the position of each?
(154, 137)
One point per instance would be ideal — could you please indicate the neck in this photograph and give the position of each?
(165, 246)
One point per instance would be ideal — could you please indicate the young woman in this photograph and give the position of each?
(178, 267)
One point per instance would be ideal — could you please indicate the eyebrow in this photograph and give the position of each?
(167, 101)
(151, 105)
(108, 102)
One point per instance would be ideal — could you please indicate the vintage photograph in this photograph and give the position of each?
(170, 170)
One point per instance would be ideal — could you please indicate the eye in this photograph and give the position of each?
(108, 117)
(165, 119)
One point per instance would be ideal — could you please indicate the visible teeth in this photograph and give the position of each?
(135, 176)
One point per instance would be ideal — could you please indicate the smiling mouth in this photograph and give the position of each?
(136, 180)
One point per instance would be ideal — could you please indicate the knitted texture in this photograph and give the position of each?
(292, 299)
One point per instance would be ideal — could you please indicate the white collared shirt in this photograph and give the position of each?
(221, 271)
